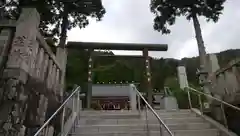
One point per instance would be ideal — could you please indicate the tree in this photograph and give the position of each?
(58, 16)
(166, 12)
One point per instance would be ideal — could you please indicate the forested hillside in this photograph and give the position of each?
(118, 69)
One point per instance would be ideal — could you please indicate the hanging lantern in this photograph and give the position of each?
(90, 59)
(89, 79)
(148, 74)
(149, 79)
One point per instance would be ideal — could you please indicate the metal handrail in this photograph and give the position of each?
(219, 100)
(214, 98)
(57, 111)
(153, 111)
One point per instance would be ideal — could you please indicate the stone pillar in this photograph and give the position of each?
(89, 80)
(133, 98)
(214, 66)
(182, 77)
(62, 59)
(80, 104)
(17, 71)
(148, 85)
(183, 82)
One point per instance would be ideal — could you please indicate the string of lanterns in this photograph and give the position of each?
(121, 82)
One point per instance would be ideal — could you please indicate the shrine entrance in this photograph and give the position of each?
(145, 48)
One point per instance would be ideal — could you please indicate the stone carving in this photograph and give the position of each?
(13, 108)
(19, 54)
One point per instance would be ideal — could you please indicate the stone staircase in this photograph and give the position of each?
(130, 123)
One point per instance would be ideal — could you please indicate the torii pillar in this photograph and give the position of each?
(89, 83)
(147, 76)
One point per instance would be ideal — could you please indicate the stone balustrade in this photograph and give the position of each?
(30, 75)
(227, 82)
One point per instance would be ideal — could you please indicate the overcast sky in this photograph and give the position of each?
(131, 21)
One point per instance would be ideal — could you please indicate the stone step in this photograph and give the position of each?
(127, 112)
(169, 115)
(137, 127)
(134, 114)
(174, 111)
(143, 115)
(86, 112)
(111, 116)
(203, 132)
(140, 121)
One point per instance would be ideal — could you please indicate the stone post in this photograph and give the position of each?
(62, 59)
(183, 82)
(182, 77)
(133, 98)
(17, 70)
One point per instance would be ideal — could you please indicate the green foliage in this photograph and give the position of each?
(166, 11)
(55, 14)
(114, 69)
(77, 67)
(181, 95)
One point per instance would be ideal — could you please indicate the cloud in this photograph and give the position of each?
(131, 21)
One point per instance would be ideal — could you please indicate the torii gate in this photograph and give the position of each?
(118, 46)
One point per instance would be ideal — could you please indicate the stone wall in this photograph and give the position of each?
(30, 76)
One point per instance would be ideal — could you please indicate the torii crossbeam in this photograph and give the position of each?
(117, 46)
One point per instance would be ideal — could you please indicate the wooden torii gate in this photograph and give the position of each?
(90, 46)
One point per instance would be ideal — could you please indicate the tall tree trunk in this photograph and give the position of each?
(61, 56)
(200, 42)
(204, 65)
(204, 68)
(61, 50)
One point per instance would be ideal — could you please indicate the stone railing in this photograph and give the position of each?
(227, 82)
(30, 75)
